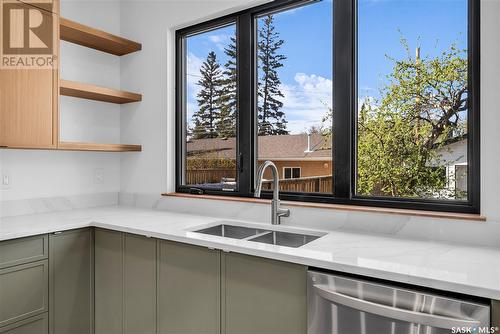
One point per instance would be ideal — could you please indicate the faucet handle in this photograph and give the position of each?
(282, 213)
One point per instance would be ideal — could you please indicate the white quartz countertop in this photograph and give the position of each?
(444, 266)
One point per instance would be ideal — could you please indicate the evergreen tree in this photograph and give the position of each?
(226, 126)
(271, 118)
(197, 131)
(206, 118)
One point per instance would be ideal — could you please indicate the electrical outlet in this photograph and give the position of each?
(99, 176)
(5, 181)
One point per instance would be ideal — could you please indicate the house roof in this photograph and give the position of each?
(451, 140)
(279, 147)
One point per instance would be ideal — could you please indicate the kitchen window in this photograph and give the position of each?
(376, 101)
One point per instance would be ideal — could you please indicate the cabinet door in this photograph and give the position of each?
(139, 284)
(71, 282)
(29, 92)
(108, 282)
(263, 296)
(34, 325)
(495, 313)
(23, 250)
(23, 291)
(125, 283)
(189, 289)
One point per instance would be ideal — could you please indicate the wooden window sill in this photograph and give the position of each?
(342, 207)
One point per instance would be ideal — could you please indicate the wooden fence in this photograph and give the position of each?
(312, 184)
(201, 176)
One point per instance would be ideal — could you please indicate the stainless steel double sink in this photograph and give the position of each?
(280, 238)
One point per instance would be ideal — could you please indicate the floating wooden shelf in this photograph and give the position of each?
(100, 40)
(77, 33)
(97, 93)
(72, 146)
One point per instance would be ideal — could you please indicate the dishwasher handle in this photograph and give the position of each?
(425, 319)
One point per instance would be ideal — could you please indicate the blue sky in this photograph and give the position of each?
(307, 72)
(432, 24)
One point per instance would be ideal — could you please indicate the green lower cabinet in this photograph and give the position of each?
(140, 285)
(71, 282)
(23, 291)
(125, 283)
(108, 282)
(263, 296)
(204, 291)
(34, 325)
(189, 281)
(495, 313)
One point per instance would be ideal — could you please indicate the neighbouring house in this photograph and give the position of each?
(299, 156)
(453, 157)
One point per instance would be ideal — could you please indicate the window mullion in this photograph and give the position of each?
(245, 103)
(343, 98)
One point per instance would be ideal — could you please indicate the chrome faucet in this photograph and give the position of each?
(276, 211)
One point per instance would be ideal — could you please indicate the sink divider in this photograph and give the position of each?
(257, 235)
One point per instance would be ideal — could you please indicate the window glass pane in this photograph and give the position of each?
(288, 173)
(210, 104)
(412, 129)
(295, 66)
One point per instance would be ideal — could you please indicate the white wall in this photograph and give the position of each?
(35, 174)
(490, 113)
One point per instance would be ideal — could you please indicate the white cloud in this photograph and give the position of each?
(372, 101)
(220, 40)
(193, 67)
(191, 108)
(306, 101)
(217, 38)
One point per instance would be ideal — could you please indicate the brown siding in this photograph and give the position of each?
(308, 168)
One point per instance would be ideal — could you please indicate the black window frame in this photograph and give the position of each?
(344, 104)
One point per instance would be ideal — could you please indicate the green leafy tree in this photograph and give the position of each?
(208, 114)
(226, 126)
(271, 118)
(424, 104)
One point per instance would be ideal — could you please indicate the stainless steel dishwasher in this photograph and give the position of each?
(343, 305)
